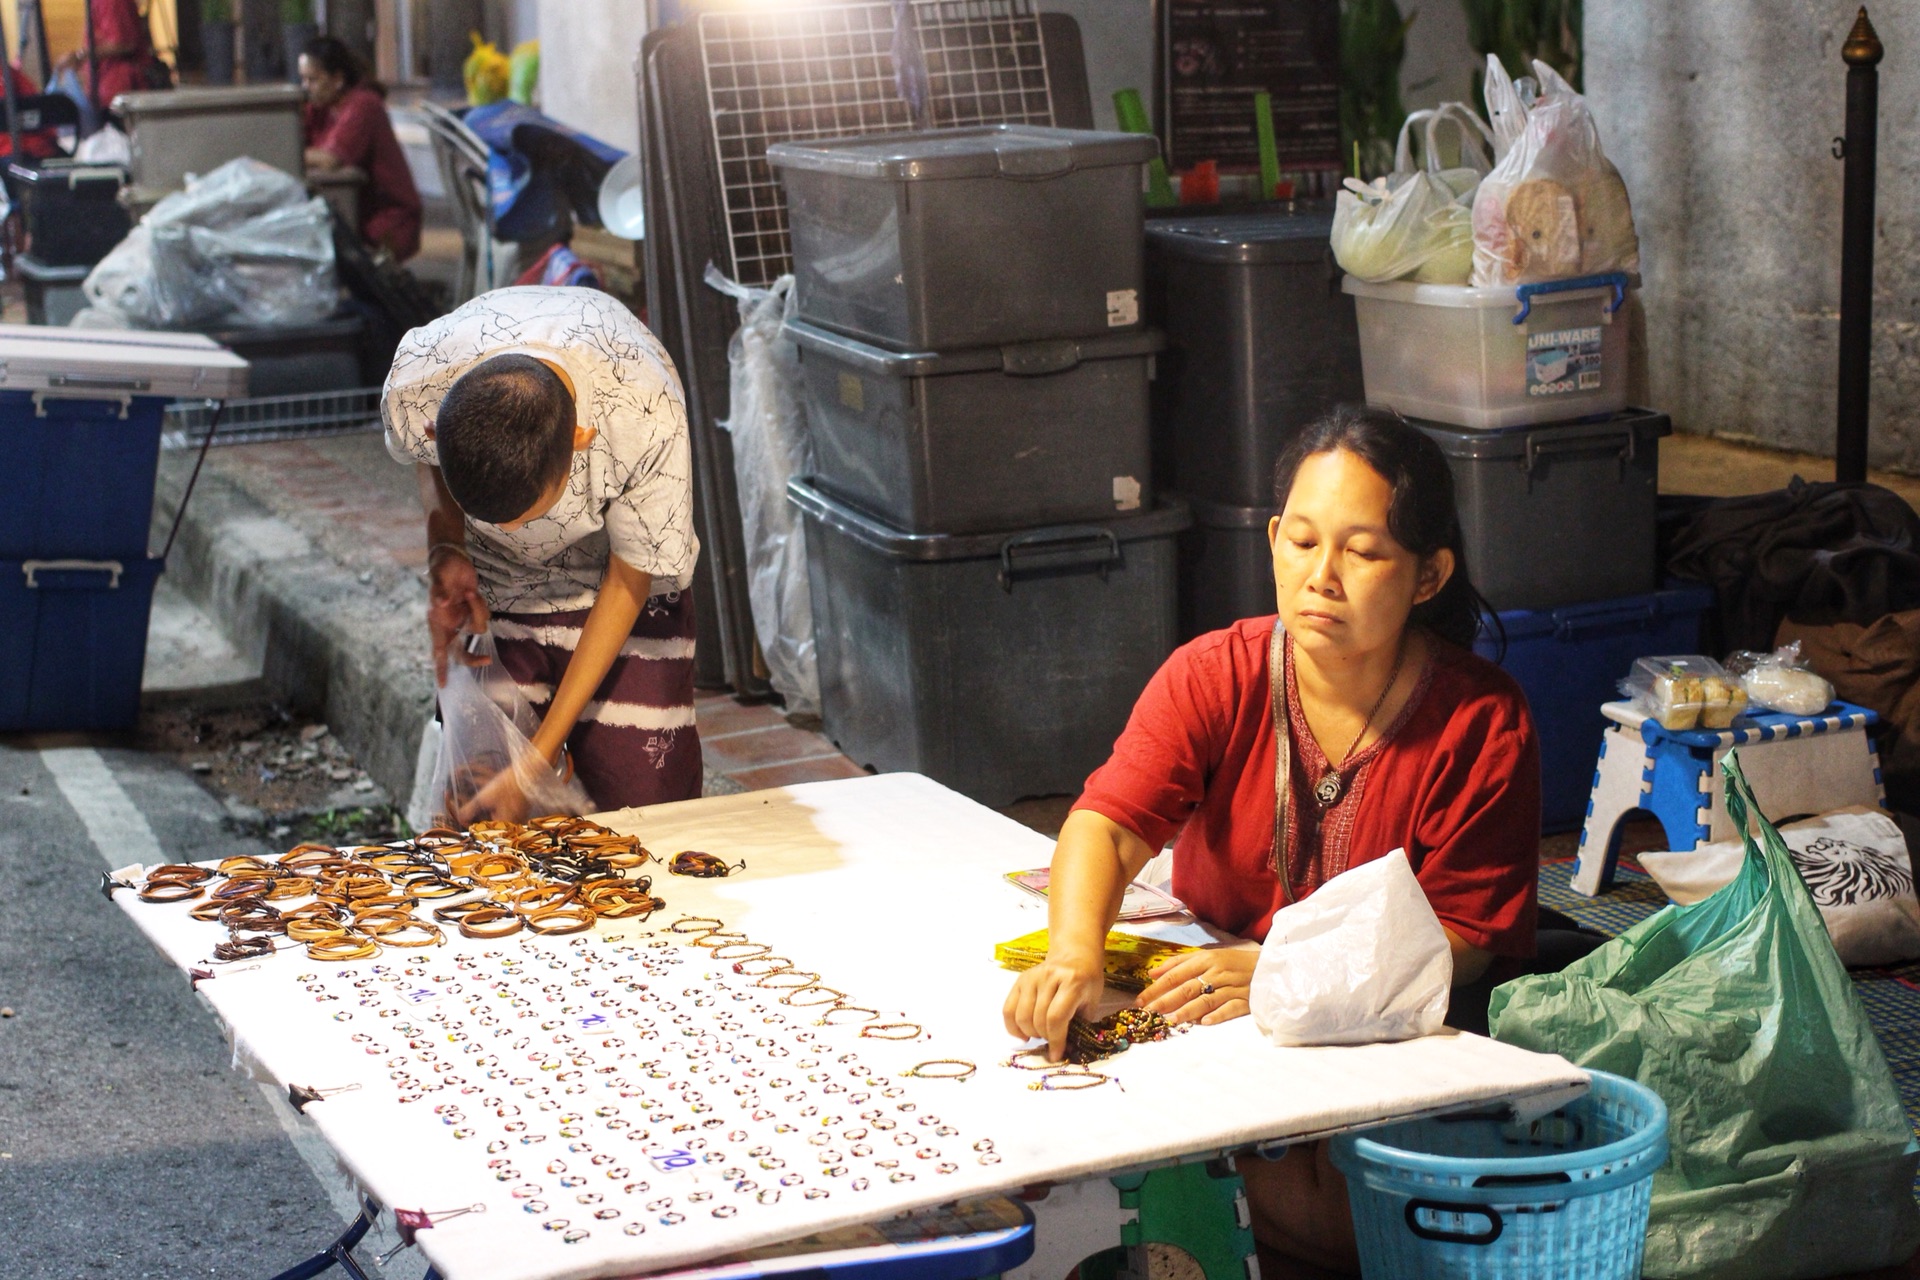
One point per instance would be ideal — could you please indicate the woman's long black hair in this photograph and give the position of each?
(1422, 516)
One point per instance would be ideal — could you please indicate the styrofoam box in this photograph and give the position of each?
(1449, 353)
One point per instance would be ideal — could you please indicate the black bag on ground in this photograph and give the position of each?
(1819, 553)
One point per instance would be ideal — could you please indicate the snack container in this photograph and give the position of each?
(1686, 692)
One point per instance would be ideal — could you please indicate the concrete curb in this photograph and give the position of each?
(347, 647)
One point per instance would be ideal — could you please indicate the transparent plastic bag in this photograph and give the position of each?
(1781, 681)
(486, 728)
(1363, 960)
(1685, 692)
(770, 447)
(1554, 207)
(244, 245)
(1418, 221)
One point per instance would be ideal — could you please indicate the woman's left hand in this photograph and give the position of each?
(1203, 986)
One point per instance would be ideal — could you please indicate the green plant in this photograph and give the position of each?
(1373, 44)
(216, 10)
(1518, 31)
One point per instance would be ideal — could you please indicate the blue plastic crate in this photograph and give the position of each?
(73, 640)
(1479, 1196)
(79, 474)
(1570, 660)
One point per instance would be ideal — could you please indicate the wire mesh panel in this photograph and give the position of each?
(295, 417)
(795, 75)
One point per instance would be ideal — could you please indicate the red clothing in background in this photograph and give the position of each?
(1456, 783)
(117, 24)
(356, 130)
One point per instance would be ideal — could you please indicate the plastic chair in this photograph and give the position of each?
(485, 262)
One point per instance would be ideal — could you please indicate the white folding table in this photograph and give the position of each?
(891, 889)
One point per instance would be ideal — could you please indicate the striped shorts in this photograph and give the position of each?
(636, 742)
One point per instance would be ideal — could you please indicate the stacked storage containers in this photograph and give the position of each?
(1260, 342)
(80, 415)
(1524, 390)
(992, 571)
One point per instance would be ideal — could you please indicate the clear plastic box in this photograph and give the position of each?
(1491, 358)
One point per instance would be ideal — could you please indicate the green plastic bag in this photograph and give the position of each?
(1791, 1153)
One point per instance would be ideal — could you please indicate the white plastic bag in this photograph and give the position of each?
(244, 245)
(1554, 207)
(1419, 220)
(486, 727)
(1362, 960)
(770, 447)
(1855, 863)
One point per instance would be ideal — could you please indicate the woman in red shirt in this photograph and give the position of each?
(347, 126)
(1397, 735)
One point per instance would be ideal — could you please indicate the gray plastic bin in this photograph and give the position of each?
(971, 441)
(1003, 665)
(1260, 342)
(1226, 567)
(959, 238)
(1558, 514)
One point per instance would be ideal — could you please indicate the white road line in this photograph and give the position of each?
(119, 831)
(121, 835)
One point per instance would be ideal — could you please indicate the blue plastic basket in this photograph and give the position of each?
(1480, 1197)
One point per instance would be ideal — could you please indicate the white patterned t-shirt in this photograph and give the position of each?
(629, 493)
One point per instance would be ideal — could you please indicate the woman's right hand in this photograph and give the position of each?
(1045, 998)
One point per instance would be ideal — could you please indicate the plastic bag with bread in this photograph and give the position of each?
(1687, 692)
(1554, 206)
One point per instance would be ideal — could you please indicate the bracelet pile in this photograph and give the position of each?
(552, 876)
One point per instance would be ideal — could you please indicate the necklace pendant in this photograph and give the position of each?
(1327, 790)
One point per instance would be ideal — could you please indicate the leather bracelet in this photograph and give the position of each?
(489, 922)
(343, 947)
(430, 935)
(182, 871)
(571, 918)
(170, 891)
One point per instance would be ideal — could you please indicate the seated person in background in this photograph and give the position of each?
(1399, 738)
(549, 438)
(347, 127)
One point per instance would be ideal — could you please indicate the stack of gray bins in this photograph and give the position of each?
(1260, 342)
(993, 575)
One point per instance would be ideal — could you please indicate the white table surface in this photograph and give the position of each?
(891, 889)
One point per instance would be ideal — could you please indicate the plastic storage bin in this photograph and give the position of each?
(1003, 665)
(1260, 342)
(54, 294)
(80, 417)
(72, 212)
(1490, 358)
(1481, 1197)
(73, 640)
(1561, 513)
(958, 238)
(1569, 661)
(175, 132)
(1226, 567)
(994, 438)
(305, 359)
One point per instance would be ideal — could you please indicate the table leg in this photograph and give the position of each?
(340, 1252)
(1074, 1220)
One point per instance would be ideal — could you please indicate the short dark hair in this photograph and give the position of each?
(1422, 516)
(334, 58)
(505, 436)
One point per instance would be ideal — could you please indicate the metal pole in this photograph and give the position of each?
(93, 61)
(1862, 53)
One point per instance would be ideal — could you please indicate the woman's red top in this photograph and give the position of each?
(356, 130)
(1455, 782)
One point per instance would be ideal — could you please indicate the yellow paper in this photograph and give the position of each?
(1129, 956)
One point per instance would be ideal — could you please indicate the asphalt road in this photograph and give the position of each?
(129, 1147)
